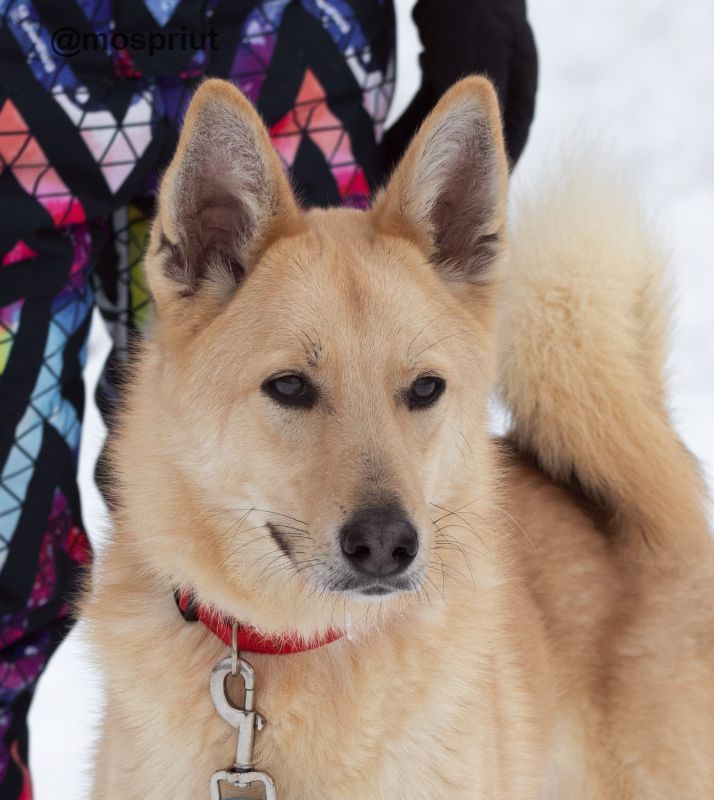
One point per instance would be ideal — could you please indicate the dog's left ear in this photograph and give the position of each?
(449, 191)
(224, 197)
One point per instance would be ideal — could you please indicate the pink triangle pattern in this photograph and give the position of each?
(23, 156)
(312, 117)
(19, 252)
(116, 147)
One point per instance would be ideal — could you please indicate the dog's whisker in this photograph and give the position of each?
(516, 523)
(294, 530)
(471, 531)
(448, 539)
(237, 531)
(458, 547)
(275, 513)
(411, 344)
(457, 513)
(443, 575)
(438, 341)
(468, 444)
(428, 580)
(453, 569)
(456, 510)
(449, 569)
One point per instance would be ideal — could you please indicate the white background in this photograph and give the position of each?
(637, 75)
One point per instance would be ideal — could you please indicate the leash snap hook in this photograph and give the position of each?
(245, 719)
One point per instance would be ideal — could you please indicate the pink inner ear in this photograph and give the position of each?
(221, 226)
(455, 186)
(215, 224)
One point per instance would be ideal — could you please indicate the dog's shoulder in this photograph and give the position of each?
(560, 548)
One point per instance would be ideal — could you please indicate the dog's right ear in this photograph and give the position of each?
(223, 198)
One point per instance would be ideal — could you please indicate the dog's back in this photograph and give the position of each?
(618, 554)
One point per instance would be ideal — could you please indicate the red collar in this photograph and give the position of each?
(250, 640)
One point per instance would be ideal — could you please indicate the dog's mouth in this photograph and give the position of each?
(360, 588)
(380, 589)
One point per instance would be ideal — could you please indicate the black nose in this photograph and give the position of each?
(379, 542)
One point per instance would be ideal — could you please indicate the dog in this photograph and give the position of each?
(304, 449)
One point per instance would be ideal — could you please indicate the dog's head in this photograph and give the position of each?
(310, 410)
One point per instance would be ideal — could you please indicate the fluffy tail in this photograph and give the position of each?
(582, 355)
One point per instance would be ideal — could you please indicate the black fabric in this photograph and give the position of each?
(466, 37)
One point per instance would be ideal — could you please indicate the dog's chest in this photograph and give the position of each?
(342, 734)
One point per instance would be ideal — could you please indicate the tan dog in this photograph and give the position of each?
(304, 445)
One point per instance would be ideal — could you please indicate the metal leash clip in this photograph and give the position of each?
(245, 720)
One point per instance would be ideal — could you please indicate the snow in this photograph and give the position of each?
(636, 75)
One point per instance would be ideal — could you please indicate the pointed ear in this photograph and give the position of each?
(449, 191)
(222, 199)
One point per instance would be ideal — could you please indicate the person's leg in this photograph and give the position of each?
(45, 304)
(125, 303)
(75, 142)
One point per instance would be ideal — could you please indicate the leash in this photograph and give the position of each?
(245, 719)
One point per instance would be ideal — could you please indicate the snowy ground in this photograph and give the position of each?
(636, 74)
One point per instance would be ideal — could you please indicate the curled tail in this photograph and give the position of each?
(582, 353)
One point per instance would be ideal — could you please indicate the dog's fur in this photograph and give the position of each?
(557, 637)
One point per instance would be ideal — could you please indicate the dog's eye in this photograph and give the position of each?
(425, 391)
(290, 390)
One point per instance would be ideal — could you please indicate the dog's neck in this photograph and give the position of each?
(249, 639)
